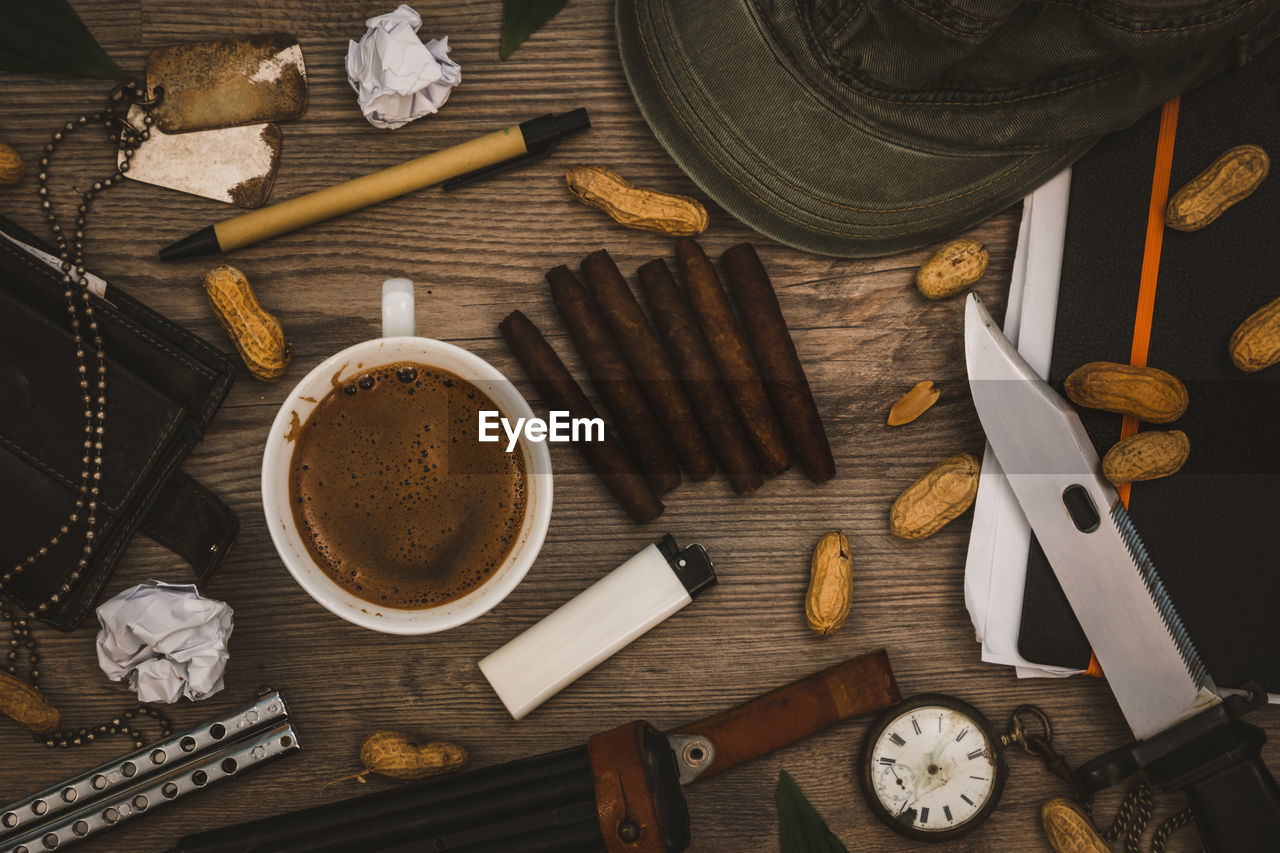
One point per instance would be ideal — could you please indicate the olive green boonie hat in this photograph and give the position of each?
(861, 128)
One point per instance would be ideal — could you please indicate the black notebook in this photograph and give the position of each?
(1213, 529)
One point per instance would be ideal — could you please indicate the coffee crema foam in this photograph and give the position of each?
(393, 494)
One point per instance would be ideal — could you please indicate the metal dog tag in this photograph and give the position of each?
(231, 164)
(228, 82)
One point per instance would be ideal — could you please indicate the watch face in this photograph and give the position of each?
(932, 769)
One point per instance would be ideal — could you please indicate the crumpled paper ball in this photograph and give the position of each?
(397, 78)
(166, 640)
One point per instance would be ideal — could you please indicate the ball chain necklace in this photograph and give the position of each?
(92, 376)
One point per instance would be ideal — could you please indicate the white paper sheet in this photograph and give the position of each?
(996, 568)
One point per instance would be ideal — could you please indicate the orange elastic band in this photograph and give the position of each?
(1150, 272)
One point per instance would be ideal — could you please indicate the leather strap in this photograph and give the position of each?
(793, 712)
(624, 802)
(193, 522)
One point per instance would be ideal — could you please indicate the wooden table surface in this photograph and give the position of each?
(863, 332)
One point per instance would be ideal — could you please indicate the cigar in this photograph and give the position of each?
(780, 366)
(560, 392)
(614, 381)
(733, 357)
(697, 370)
(650, 364)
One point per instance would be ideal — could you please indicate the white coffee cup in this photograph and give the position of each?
(400, 344)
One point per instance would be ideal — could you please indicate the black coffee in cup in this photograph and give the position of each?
(393, 494)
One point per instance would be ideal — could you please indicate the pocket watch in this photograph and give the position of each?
(932, 768)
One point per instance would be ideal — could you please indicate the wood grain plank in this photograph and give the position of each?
(862, 331)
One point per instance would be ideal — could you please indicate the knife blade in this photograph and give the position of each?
(1149, 659)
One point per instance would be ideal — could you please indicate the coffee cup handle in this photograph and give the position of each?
(397, 308)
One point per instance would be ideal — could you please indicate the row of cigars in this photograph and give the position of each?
(702, 388)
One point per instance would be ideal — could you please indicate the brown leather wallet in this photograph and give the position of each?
(164, 385)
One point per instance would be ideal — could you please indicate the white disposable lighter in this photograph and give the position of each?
(653, 584)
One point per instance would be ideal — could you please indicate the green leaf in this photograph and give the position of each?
(48, 36)
(522, 18)
(800, 828)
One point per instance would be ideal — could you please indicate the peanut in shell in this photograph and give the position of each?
(257, 335)
(11, 166)
(955, 267)
(1256, 343)
(636, 207)
(1147, 455)
(399, 756)
(940, 496)
(1069, 829)
(830, 595)
(1231, 178)
(25, 705)
(1147, 393)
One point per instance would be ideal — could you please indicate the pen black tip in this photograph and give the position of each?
(573, 121)
(202, 242)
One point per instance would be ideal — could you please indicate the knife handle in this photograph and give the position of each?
(1234, 797)
(799, 709)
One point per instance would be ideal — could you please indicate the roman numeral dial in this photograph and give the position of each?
(932, 767)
